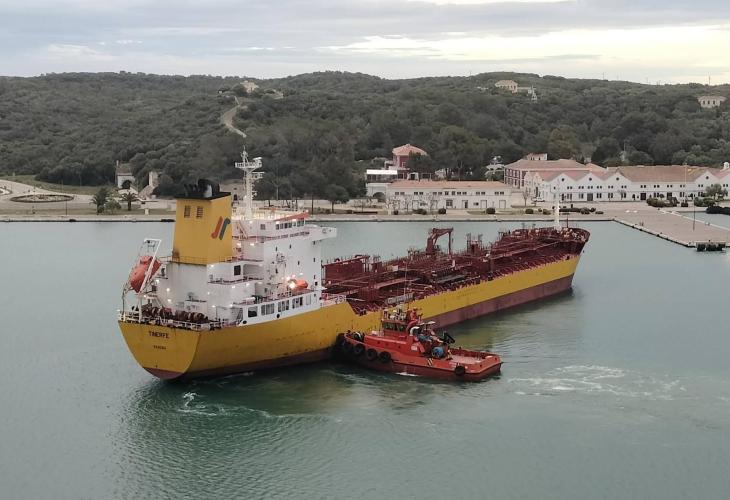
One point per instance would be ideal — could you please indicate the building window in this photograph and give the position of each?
(199, 212)
(186, 211)
(449, 203)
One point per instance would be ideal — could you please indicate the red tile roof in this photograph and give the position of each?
(449, 185)
(407, 149)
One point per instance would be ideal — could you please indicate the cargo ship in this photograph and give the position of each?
(246, 289)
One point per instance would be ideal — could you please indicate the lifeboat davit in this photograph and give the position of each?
(136, 277)
(407, 345)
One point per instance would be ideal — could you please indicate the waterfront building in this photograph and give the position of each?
(377, 179)
(432, 195)
(123, 175)
(514, 173)
(628, 183)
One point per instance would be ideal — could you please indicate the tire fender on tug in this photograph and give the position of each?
(459, 371)
(358, 350)
(384, 356)
(371, 354)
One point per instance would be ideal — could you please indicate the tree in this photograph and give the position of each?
(129, 197)
(336, 194)
(525, 194)
(100, 198)
(112, 205)
(716, 191)
(562, 143)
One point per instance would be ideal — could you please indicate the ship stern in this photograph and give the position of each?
(165, 352)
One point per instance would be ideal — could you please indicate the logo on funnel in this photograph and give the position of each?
(220, 228)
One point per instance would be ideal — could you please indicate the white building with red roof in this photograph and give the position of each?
(514, 173)
(627, 183)
(433, 195)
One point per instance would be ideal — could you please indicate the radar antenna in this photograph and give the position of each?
(249, 177)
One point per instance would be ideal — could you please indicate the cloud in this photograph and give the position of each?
(635, 38)
(71, 51)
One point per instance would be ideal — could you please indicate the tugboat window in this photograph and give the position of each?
(253, 312)
(237, 270)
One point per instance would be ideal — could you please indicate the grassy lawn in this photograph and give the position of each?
(66, 188)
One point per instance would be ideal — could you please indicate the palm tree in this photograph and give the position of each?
(130, 198)
(100, 199)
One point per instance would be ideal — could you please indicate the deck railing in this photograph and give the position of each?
(330, 299)
(133, 317)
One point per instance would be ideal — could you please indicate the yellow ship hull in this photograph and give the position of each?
(173, 352)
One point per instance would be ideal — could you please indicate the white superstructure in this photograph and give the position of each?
(274, 269)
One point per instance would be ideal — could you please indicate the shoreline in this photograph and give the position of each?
(326, 218)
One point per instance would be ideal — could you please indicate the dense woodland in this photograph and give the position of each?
(329, 127)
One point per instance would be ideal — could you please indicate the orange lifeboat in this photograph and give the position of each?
(295, 284)
(136, 277)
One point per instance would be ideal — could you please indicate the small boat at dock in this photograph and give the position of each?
(406, 344)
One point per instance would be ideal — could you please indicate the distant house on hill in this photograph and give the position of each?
(377, 179)
(249, 86)
(402, 153)
(510, 85)
(123, 175)
(711, 101)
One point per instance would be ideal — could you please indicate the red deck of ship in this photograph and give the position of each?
(371, 284)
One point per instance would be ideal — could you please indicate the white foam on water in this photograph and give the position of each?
(601, 380)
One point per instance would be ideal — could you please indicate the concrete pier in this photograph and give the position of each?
(676, 227)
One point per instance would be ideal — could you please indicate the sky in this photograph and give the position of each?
(648, 41)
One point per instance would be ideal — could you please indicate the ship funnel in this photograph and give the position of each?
(202, 225)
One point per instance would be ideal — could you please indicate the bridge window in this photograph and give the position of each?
(283, 305)
(267, 308)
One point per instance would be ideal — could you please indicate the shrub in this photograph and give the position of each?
(585, 211)
(545, 211)
(704, 202)
(442, 211)
(684, 204)
(593, 209)
(715, 209)
(491, 210)
(529, 211)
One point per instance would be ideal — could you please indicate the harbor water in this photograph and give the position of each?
(618, 389)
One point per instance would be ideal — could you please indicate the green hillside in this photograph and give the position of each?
(327, 128)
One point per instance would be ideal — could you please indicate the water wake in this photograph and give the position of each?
(600, 380)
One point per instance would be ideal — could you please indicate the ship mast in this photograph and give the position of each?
(249, 177)
(556, 209)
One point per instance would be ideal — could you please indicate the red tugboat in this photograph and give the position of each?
(406, 344)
